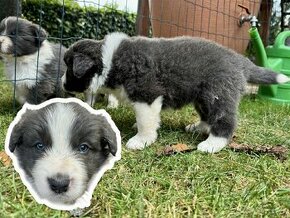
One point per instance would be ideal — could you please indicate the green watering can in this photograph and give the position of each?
(277, 58)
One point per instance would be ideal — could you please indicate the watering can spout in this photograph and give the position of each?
(261, 56)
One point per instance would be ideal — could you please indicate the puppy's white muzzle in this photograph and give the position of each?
(5, 44)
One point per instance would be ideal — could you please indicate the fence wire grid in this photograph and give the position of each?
(67, 21)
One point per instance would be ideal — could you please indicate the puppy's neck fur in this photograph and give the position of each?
(28, 66)
(110, 45)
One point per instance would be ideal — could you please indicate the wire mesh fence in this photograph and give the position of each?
(66, 21)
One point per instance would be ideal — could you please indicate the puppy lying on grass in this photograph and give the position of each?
(159, 73)
(61, 148)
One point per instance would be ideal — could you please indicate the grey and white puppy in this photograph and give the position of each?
(32, 63)
(167, 73)
(61, 146)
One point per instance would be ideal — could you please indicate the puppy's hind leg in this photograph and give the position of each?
(218, 119)
(202, 126)
(148, 119)
(220, 134)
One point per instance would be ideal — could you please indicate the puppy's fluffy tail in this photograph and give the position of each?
(260, 75)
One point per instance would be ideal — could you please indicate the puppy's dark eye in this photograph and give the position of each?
(83, 148)
(40, 146)
(13, 33)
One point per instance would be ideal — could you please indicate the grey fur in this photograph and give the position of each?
(98, 133)
(30, 130)
(184, 70)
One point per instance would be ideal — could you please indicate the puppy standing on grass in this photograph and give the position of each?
(39, 63)
(61, 148)
(159, 73)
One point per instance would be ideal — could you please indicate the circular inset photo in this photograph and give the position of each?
(61, 149)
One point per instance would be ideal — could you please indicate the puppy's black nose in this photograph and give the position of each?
(59, 184)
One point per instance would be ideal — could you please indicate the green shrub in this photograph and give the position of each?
(76, 22)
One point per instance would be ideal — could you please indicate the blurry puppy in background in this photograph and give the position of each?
(61, 148)
(38, 62)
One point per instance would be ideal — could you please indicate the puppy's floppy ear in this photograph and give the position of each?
(16, 138)
(39, 34)
(108, 138)
(81, 64)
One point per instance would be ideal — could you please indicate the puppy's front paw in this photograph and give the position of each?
(112, 102)
(139, 142)
(112, 105)
(212, 144)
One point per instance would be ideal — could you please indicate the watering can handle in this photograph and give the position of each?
(281, 38)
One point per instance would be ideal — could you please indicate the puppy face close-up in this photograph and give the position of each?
(83, 60)
(60, 148)
(20, 37)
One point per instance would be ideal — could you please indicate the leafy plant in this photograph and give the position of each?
(69, 22)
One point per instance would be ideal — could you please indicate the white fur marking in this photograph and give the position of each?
(112, 101)
(5, 43)
(27, 69)
(111, 44)
(5, 40)
(63, 164)
(26, 66)
(60, 121)
(212, 144)
(6, 22)
(63, 80)
(5, 26)
(148, 119)
(281, 78)
(20, 94)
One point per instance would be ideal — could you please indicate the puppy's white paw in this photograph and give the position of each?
(139, 142)
(113, 104)
(112, 101)
(212, 144)
(206, 146)
(201, 127)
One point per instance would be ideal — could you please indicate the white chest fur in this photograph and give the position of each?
(25, 70)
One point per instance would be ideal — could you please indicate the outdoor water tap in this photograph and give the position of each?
(254, 22)
(248, 17)
(244, 18)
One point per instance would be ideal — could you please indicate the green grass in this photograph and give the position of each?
(227, 184)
